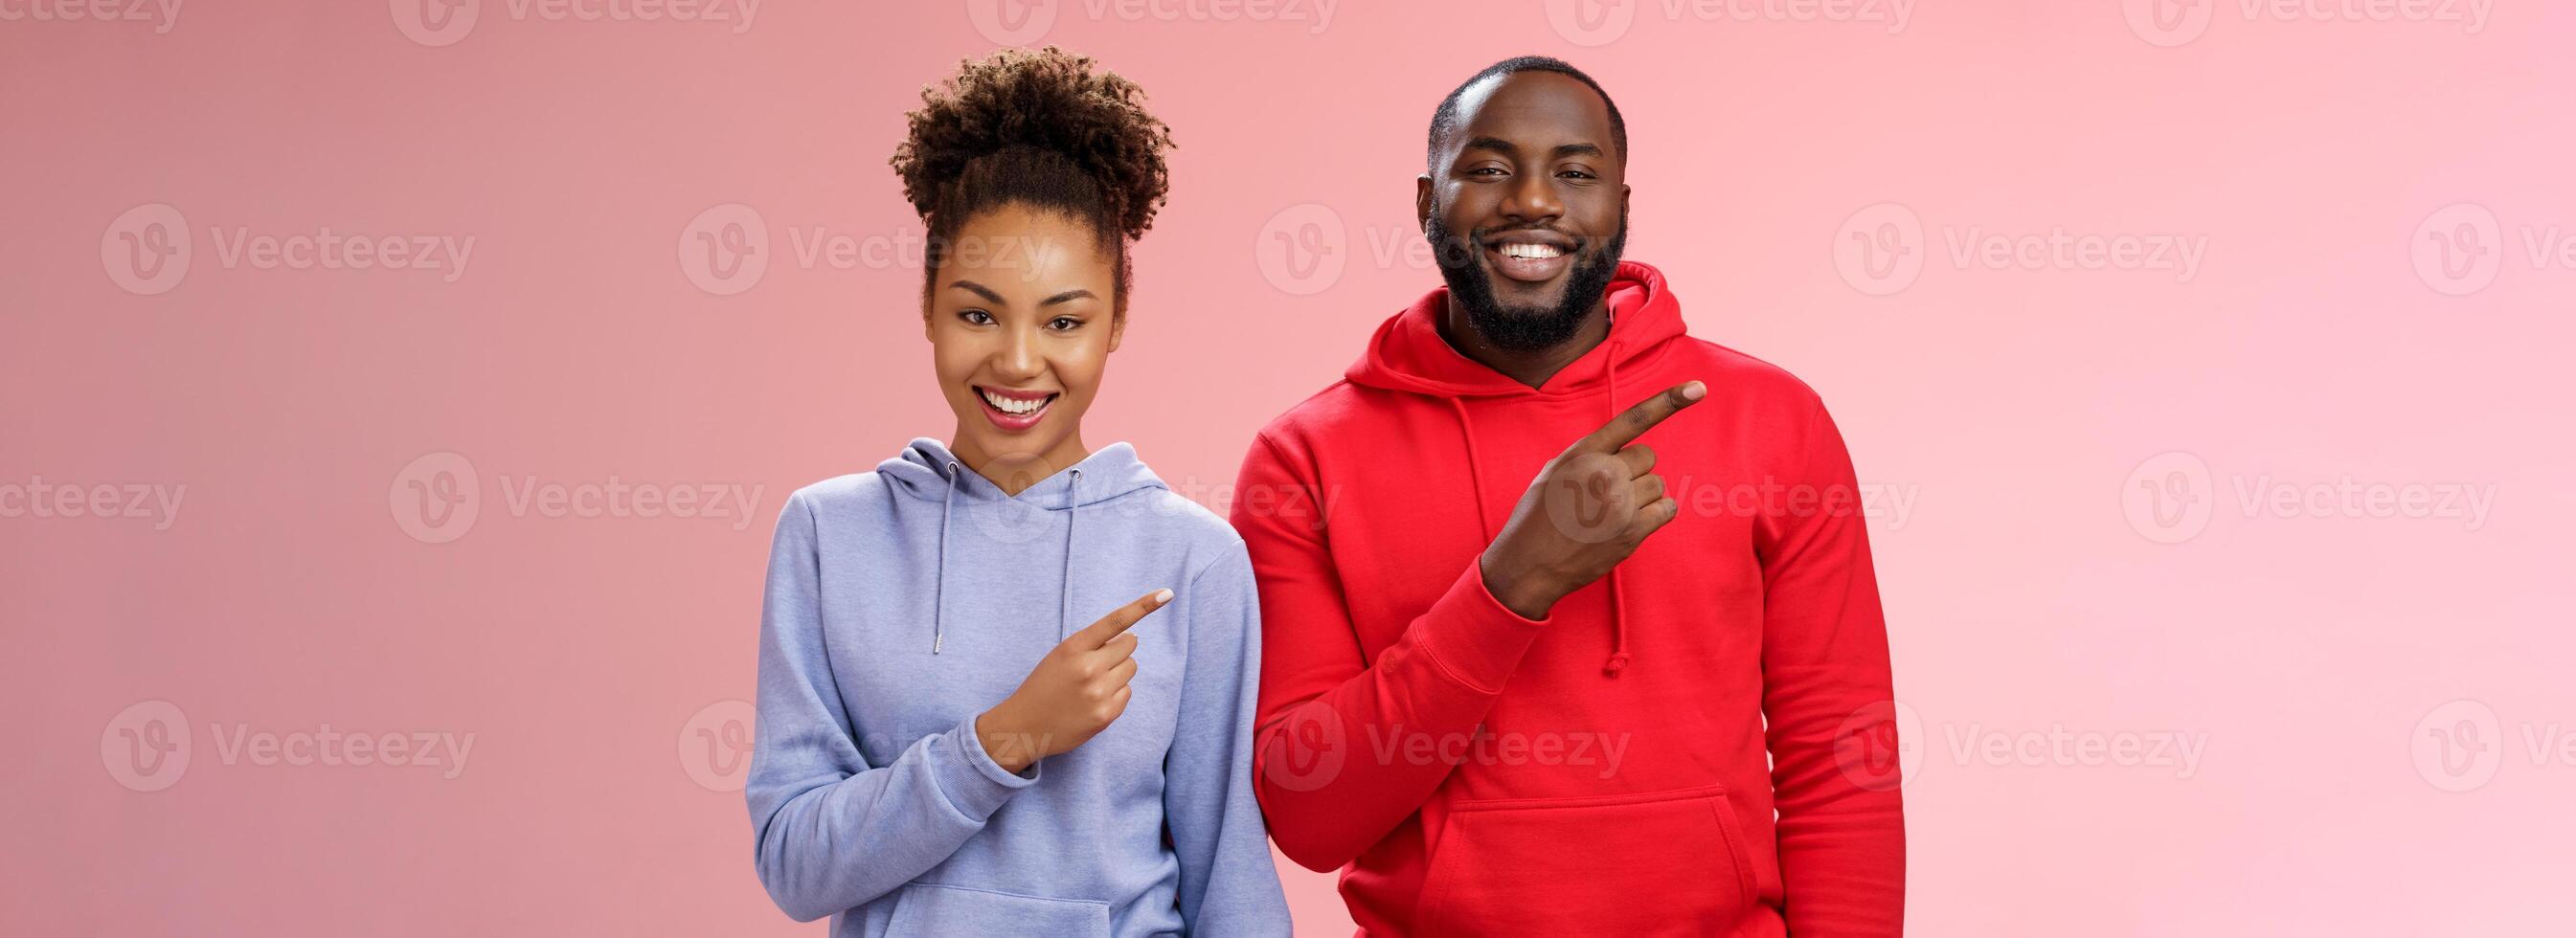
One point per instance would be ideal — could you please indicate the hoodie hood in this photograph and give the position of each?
(928, 471)
(1408, 354)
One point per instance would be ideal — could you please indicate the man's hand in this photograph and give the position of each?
(1076, 691)
(1588, 510)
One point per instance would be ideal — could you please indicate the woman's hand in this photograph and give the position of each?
(1076, 691)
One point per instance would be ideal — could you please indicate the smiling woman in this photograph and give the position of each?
(1003, 777)
(1032, 173)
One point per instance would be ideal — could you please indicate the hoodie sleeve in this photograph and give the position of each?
(1228, 884)
(1825, 680)
(1328, 797)
(831, 831)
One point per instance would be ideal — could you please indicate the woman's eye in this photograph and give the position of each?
(1064, 324)
(976, 317)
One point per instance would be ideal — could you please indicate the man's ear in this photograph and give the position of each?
(1623, 200)
(1422, 202)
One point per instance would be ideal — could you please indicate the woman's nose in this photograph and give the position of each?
(1018, 357)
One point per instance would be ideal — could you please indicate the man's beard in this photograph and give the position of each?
(1524, 328)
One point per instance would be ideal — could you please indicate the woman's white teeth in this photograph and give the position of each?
(1012, 405)
(1531, 250)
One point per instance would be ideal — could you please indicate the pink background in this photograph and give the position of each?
(2332, 329)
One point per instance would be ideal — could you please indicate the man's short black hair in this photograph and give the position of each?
(1445, 120)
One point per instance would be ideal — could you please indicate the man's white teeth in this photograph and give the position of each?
(1013, 405)
(1531, 250)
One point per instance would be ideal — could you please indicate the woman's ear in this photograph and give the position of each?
(1117, 329)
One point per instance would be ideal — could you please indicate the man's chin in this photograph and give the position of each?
(1523, 299)
(1524, 313)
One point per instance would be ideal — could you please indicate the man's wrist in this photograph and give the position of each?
(1509, 589)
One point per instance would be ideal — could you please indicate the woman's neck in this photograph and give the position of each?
(1015, 474)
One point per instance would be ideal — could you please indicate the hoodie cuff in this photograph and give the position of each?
(1474, 638)
(971, 779)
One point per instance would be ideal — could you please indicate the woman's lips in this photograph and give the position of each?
(1014, 411)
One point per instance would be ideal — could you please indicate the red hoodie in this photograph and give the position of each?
(1600, 772)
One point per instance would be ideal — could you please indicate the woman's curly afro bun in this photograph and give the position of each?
(1040, 129)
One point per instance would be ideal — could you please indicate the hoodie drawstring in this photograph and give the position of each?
(1475, 476)
(939, 594)
(1618, 601)
(1064, 600)
(1619, 656)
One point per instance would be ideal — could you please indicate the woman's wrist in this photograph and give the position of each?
(1001, 744)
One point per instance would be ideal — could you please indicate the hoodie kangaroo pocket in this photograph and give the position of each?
(1664, 863)
(924, 909)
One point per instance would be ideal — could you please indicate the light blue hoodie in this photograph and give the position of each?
(904, 602)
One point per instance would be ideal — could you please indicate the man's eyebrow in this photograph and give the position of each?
(1505, 147)
(1068, 296)
(979, 290)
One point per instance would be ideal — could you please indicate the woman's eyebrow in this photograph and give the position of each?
(979, 290)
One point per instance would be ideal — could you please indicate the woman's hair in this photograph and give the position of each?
(1040, 130)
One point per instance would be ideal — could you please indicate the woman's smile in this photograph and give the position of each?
(1014, 411)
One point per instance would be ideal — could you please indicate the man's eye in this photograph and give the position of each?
(1578, 174)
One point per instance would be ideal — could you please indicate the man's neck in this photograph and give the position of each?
(1531, 367)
